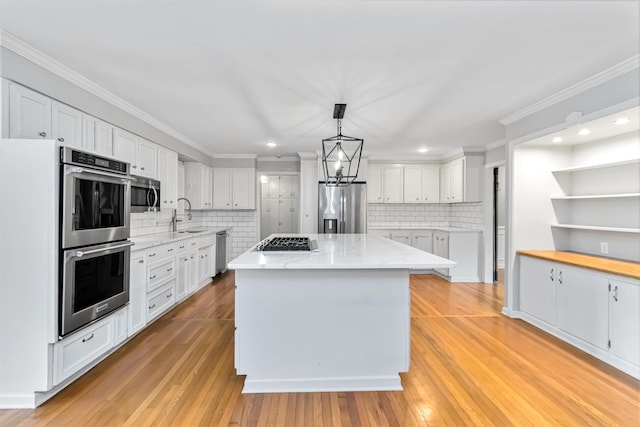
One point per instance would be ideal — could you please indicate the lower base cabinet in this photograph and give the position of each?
(596, 311)
(160, 300)
(137, 315)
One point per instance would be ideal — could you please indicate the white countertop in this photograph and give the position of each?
(344, 251)
(151, 240)
(405, 226)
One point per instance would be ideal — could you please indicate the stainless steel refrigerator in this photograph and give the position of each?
(342, 209)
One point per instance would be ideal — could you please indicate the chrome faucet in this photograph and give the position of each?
(174, 218)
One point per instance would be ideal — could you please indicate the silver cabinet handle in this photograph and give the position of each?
(43, 134)
(80, 254)
(169, 269)
(134, 167)
(141, 261)
(153, 254)
(87, 339)
(170, 250)
(152, 277)
(560, 277)
(152, 306)
(551, 275)
(615, 293)
(141, 168)
(170, 295)
(61, 139)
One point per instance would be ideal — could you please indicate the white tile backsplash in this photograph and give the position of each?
(463, 215)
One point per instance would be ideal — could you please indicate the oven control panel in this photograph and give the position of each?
(70, 156)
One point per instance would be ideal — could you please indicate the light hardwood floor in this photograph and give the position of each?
(469, 366)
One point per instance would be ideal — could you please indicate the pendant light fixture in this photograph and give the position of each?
(341, 154)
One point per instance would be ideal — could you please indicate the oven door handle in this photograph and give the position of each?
(80, 254)
(98, 172)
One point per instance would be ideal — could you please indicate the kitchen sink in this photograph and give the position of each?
(191, 231)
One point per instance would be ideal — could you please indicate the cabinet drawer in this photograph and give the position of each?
(207, 241)
(160, 301)
(78, 350)
(161, 252)
(185, 245)
(160, 272)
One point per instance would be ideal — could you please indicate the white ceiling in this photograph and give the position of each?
(233, 75)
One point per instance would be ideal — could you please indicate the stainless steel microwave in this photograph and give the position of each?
(145, 195)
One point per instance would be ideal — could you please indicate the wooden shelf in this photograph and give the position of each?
(597, 166)
(607, 265)
(599, 196)
(597, 228)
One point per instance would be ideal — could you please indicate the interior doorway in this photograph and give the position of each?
(498, 224)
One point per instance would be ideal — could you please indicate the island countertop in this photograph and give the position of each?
(343, 251)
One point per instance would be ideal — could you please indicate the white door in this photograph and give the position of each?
(289, 216)
(102, 137)
(402, 237)
(284, 189)
(583, 304)
(147, 158)
(374, 184)
(125, 148)
(430, 184)
(182, 276)
(66, 125)
(412, 184)
(392, 184)
(29, 114)
(423, 241)
(222, 189)
(167, 172)
(242, 185)
(207, 183)
(445, 181)
(538, 288)
(270, 217)
(457, 180)
(624, 325)
(137, 292)
(441, 249)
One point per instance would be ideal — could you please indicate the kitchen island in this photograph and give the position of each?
(333, 319)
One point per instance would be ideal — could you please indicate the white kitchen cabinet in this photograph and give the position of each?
(461, 247)
(97, 135)
(392, 184)
(76, 351)
(120, 321)
(538, 288)
(192, 278)
(279, 216)
(66, 125)
(452, 181)
(308, 196)
(182, 276)
(374, 183)
(206, 264)
(168, 177)
(402, 237)
(29, 114)
(422, 240)
(137, 292)
(441, 248)
(234, 188)
(288, 186)
(148, 158)
(140, 153)
(421, 184)
(198, 181)
(160, 300)
(582, 304)
(624, 320)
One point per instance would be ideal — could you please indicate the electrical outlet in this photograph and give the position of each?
(604, 248)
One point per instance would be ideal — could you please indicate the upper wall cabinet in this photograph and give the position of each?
(198, 180)
(29, 114)
(461, 180)
(97, 135)
(385, 183)
(234, 188)
(66, 125)
(168, 177)
(281, 187)
(421, 184)
(140, 153)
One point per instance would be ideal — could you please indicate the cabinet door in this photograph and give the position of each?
(423, 241)
(211, 259)
(125, 148)
(137, 292)
(102, 137)
(288, 220)
(457, 180)
(284, 187)
(445, 181)
(273, 187)
(270, 217)
(392, 184)
(66, 125)
(192, 282)
(441, 249)
(402, 237)
(194, 174)
(167, 164)
(374, 183)
(430, 187)
(182, 276)
(207, 187)
(538, 288)
(222, 189)
(29, 114)
(243, 188)
(582, 304)
(203, 264)
(412, 184)
(147, 158)
(624, 326)
(294, 187)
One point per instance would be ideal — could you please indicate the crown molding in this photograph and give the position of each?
(278, 159)
(39, 58)
(307, 155)
(495, 144)
(611, 73)
(234, 156)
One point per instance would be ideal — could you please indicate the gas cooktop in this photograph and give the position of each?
(287, 244)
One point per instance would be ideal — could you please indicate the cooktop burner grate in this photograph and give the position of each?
(285, 244)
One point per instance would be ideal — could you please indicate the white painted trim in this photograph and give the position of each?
(30, 53)
(611, 73)
(307, 385)
(234, 156)
(495, 164)
(308, 155)
(495, 144)
(278, 159)
(17, 401)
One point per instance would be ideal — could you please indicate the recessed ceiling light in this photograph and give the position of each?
(423, 150)
(271, 144)
(556, 139)
(584, 131)
(622, 121)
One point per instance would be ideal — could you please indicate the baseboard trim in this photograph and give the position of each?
(304, 385)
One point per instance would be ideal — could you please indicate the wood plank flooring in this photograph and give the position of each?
(469, 366)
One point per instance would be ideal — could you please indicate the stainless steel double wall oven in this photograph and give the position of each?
(94, 232)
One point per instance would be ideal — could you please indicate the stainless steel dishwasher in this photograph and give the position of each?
(221, 252)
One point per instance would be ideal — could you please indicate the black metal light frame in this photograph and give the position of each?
(341, 158)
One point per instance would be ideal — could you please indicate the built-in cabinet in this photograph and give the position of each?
(198, 180)
(308, 196)
(97, 136)
(280, 204)
(66, 125)
(234, 188)
(168, 177)
(595, 311)
(421, 184)
(137, 292)
(140, 153)
(385, 183)
(29, 114)
(452, 180)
